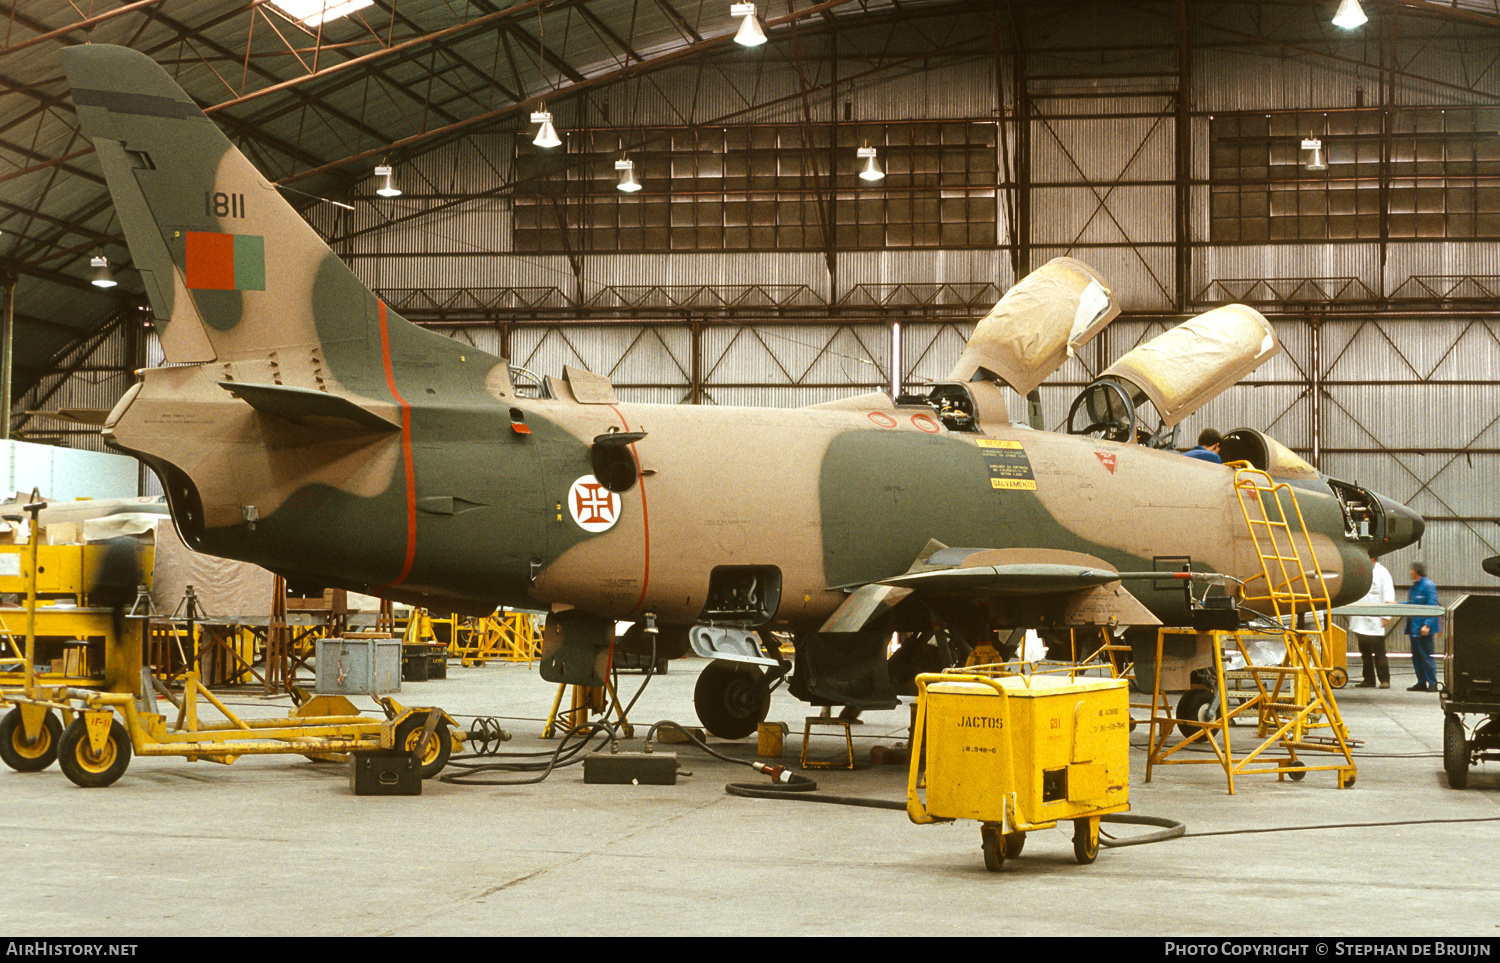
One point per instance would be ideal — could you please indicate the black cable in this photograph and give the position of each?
(793, 787)
(650, 673)
(803, 789)
(789, 784)
(566, 754)
(1296, 829)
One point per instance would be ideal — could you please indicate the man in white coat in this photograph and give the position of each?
(1370, 631)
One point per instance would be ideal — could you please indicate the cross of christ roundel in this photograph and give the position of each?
(594, 507)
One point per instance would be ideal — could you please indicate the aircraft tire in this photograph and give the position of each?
(731, 698)
(23, 756)
(1455, 752)
(1194, 705)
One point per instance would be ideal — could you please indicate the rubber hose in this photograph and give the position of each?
(802, 789)
(1172, 829)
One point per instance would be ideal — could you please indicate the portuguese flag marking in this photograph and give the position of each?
(226, 262)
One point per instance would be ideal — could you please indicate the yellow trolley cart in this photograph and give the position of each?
(1019, 753)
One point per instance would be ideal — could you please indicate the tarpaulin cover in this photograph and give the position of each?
(1183, 369)
(1038, 325)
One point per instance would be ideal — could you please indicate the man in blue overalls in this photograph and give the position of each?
(1423, 630)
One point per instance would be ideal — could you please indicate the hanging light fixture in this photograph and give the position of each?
(751, 34)
(99, 275)
(1350, 15)
(628, 183)
(385, 182)
(871, 170)
(546, 135)
(1312, 149)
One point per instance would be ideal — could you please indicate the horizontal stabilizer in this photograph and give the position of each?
(79, 416)
(298, 404)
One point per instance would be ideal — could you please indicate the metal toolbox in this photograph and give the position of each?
(358, 666)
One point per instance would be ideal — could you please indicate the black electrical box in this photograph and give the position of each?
(1218, 613)
(630, 769)
(1472, 672)
(384, 772)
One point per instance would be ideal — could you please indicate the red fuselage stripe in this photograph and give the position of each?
(406, 456)
(645, 521)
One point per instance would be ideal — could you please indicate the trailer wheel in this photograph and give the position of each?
(434, 755)
(86, 768)
(23, 756)
(1014, 843)
(1455, 752)
(1086, 840)
(994, 843)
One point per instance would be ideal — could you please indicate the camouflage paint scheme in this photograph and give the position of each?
(308, 428)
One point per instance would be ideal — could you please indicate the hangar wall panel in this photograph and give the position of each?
(969, 267)
(644, 355)
(62, 473)
(1274, 261)
(929, 351)
(1142, 278)
(844, 358)
(1265, 79)
(782, 397)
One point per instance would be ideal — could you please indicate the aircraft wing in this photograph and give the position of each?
(1074, 587)
(1389, 610)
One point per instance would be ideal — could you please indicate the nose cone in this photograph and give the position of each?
(1402, 525)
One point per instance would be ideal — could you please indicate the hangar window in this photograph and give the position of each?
(1421, 173)
(762, 188)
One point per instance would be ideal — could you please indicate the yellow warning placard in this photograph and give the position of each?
(1009, 468)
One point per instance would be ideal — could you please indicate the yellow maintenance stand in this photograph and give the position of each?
(1018, 753)
(1291, 699)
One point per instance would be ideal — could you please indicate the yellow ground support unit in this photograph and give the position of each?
(1019, 753)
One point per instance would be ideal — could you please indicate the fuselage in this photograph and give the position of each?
(484, 498)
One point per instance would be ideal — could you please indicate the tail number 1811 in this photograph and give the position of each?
(219, 204)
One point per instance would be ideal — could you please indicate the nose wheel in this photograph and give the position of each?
(731, 698)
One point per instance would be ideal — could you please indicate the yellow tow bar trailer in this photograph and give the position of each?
(96, 747)
(93, 747)
(1019, 753)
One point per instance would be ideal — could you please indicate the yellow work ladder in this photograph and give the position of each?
(1292, 700)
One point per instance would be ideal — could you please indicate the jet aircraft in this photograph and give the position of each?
(304, 426)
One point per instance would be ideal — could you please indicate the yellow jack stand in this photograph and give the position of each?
(586, 701)
(826, 721)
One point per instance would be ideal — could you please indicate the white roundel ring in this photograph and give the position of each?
(594, 508)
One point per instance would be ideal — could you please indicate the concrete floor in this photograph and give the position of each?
(280, 846)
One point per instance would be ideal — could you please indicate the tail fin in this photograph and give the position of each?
(234, 274)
